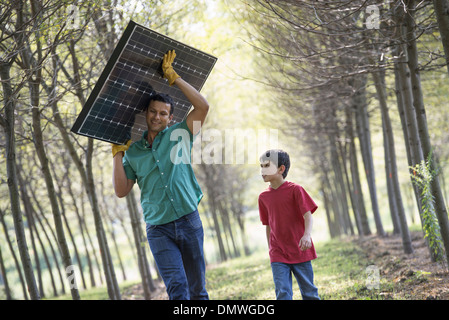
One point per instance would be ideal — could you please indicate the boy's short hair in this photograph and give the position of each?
(162, 97)
(278, 157)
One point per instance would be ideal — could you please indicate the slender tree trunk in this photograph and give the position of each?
(340, 185)
(363, 130)
(29, 211)
(55, 256)
(32, 238)
(210, 185)
(111, 279)
(4, 275)
(81, 227)
(89, 239)
(8, 124)
(46, 228)
(391, 166)
(40, 150)
(418, 103)
(408, 118)
(142, 262)
(355, 176)
(87, 177)
(391, 195)
(441, 8)
(13, 254)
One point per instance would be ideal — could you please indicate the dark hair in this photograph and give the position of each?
(279, 158)
(162, 97)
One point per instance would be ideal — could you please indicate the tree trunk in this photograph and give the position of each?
(441, 8)
(210, 185)
(142, 261)
(13, 254)
(4, 276)
(418, 103)
(392, 171)
(408, 118)
(39, 213)
(81, 227)
(362, 124)
(8, 124)
(111, 279)
(87, 179)
(340, 185)
(355, 176)
(40, 150)
(391, 194)
(29, 211)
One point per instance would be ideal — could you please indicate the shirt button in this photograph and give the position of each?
(166, 186)
(171, 199)
(162, 173)
(157, 160)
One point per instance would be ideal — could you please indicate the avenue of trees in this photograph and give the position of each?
(330, 71)
(336, 64)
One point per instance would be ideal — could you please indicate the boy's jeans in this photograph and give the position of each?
(177, 248)
(282, 276)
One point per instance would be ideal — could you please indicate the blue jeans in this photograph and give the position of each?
(177, 248)
(282, 276)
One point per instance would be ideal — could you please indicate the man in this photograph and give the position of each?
(169, 190)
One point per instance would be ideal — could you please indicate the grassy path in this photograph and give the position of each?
(339, 274)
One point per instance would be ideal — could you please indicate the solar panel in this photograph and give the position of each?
(114, 111)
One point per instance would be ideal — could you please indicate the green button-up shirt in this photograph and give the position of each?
(169, 189)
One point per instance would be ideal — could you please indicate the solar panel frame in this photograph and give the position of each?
(114, 111)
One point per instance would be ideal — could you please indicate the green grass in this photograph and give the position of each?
(340, 274)
(99, 293)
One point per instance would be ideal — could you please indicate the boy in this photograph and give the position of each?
(286, 209)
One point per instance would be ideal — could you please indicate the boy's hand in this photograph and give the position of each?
(305, 242)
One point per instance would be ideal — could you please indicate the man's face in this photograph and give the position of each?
(158, 116)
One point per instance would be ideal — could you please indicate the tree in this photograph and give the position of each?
(7, 121)
(421, 120)
(311, 45)
(441, 8)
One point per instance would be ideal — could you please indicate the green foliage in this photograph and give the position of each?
(422, 175)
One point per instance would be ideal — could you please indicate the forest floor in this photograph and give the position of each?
(340, 273)
(411, 276)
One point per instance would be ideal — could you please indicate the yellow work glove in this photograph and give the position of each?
(169, 73)
(120, 147)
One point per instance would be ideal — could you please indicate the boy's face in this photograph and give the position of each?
(269, 171)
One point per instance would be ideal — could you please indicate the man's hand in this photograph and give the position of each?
(169, 73)
(305, 242)
(116, 148)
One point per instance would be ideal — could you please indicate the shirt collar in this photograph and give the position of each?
(145, 135)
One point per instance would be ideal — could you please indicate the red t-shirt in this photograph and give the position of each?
(283, 209)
